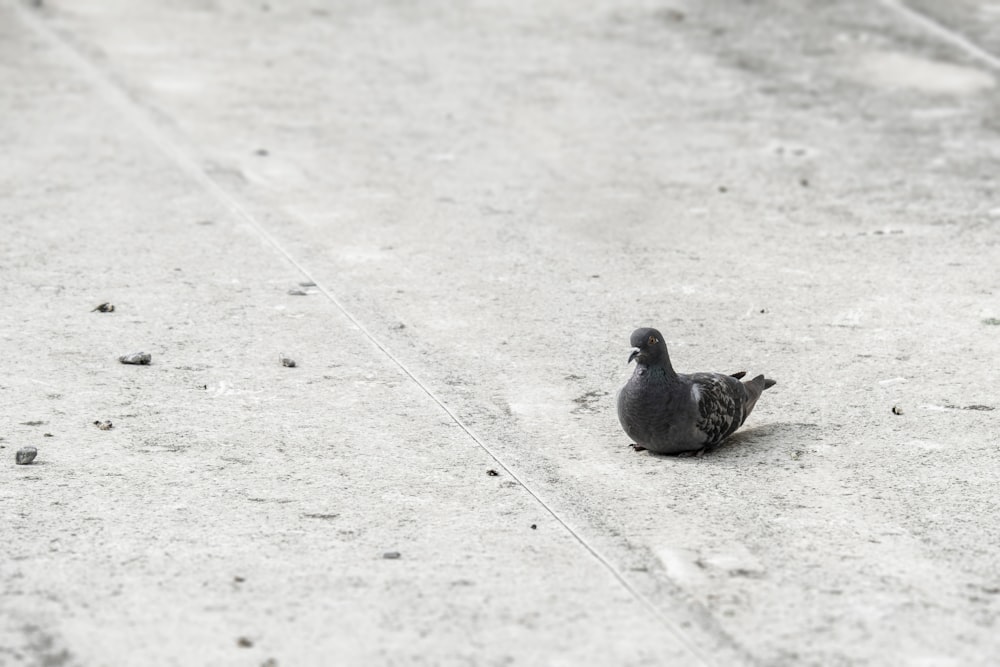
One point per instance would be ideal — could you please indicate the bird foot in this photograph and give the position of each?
(638, 448)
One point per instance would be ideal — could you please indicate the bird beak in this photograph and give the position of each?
(635, 353)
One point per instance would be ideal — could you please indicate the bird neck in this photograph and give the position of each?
(661, 370)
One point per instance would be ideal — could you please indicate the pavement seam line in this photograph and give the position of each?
(943, 32)
(133, 112)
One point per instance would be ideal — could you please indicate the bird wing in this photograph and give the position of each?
(720, 405)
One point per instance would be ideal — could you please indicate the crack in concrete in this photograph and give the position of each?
(133, 112)
(943, 32)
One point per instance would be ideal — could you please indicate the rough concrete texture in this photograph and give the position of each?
(489, 196)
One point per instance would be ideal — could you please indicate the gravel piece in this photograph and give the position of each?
(287, 361)
(136, 358)
(391, 555)
(105, 425)
(25, 455)
(104, 308)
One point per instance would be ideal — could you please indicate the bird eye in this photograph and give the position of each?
(652, 340)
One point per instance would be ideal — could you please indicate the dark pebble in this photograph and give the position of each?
(286, 361)
(104, 308)
(244, 642)
(534, 526)
(391, 555)
(896, 410)
(25, 455)
(136, 358)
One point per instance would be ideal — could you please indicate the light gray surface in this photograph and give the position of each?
(490, 198)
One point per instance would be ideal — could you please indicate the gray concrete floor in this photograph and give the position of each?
(489, 197)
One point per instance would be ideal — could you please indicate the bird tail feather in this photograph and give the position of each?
(755, 388)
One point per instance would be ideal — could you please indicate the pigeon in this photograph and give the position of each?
(672, 413)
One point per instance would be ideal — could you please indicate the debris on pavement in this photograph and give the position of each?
(136, 358)
(295, 291)
(25, 455)
(534, 526)
(287, 361)
(105, 425)
(896, 410)
(244, 642)
(492, 473)
(391, 555)
(307, 283)
(104, 308)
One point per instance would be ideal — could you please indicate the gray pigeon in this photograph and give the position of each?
(670, 413)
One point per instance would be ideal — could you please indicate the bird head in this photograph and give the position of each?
(648, 347)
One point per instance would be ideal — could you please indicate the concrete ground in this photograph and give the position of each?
(477, 202)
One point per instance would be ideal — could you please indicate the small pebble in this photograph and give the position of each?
(105, 425)
(25, 455)
(238, 579)
(244, 642)
(307, 283)
(295, 291)
(896, 410)
(105, 308)
(492, 473)
(391, 555)
(136, 358)
(287, 361)
(534, 526)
